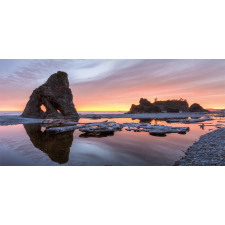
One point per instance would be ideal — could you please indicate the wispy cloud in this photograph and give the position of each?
(117, 83)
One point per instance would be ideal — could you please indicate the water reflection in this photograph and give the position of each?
(97, 135)
(157, 135)
(28, 145)
(144, 120)
(57, 146)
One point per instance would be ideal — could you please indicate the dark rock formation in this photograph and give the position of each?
(57, 146)
(173, 110)
(197, 108)
(177, 105)
(144, 107)
(170, 106)
(56, 96)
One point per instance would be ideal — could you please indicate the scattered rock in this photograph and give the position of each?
(59, 130)
(189, 120)
(101, 128)
(58, 122)
(93, 116)
(155, 129)
(208, 151)
(108, 128)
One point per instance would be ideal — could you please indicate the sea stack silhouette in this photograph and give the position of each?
(170, 106)
(144, 106)
(57, 98)
(197, 108)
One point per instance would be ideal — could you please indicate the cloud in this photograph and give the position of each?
(117, 82)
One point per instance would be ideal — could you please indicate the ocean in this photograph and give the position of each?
(13, 113)
(28, 145)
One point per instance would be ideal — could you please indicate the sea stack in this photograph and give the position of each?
(173, 106)
(144, 106)
(197, 108)
(56, 96)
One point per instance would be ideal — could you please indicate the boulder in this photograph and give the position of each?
(144, 106)
(56, 96)
(197, 108)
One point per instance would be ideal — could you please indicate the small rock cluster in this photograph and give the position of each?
(108, 127)
(189, 120)
(155, 129)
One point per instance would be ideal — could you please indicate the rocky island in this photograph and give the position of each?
(197, 108)
(169, 106)
(144, 106)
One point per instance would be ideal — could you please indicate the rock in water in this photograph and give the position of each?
(57, 98)
(144, 106)
(173, 106)
(197, 108)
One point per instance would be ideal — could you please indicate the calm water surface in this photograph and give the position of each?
(28, 145)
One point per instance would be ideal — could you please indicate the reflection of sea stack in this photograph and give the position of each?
(56, 146)
(56, 96)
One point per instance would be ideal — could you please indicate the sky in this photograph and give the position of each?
(115, 84)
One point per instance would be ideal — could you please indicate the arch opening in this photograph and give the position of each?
(43, 108)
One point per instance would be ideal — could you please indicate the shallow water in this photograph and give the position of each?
(8, 113)
(27, 145)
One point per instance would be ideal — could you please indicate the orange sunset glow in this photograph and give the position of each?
(113, 85)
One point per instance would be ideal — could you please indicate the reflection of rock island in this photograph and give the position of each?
(57, 146)
(96, 135)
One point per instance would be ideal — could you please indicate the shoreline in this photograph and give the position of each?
(6, 120)
(16, 120)
(146, 115)
(209, 150)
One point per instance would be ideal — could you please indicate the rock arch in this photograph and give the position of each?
(56, 96)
